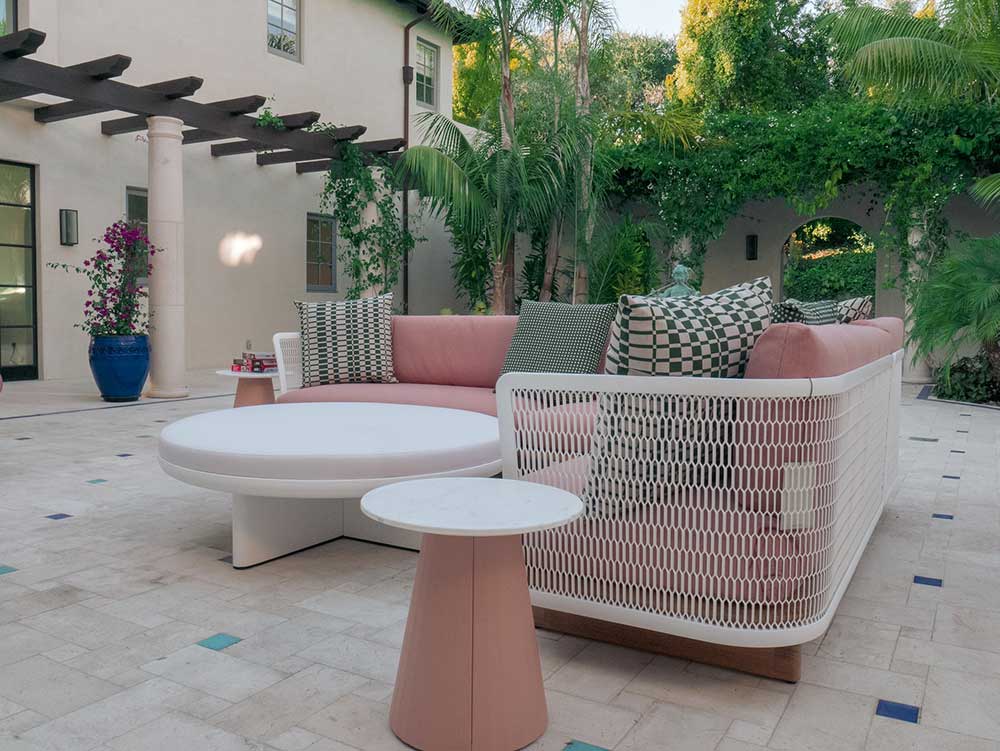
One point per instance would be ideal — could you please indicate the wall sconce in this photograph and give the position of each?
(751, 252)
(69, 227)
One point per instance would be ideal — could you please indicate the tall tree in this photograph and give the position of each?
(749, 54)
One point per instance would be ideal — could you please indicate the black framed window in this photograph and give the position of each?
(283, 27)
(321, 253)
(8, 16)
(18, 306)
(426, 73)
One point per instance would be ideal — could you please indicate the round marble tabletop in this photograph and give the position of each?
(246, 374)
(330, 447)
(471, 506)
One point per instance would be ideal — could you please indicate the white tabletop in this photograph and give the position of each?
(246, 374)
(471, 506)
(332, 445)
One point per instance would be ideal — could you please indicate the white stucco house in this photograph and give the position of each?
(343, 58)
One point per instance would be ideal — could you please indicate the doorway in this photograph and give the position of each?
(18, 313)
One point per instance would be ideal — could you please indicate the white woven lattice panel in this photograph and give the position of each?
(732, 511)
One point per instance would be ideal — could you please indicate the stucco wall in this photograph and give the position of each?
(352, 53)
(773, 221)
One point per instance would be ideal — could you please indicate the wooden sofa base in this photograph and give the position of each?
(782, 663)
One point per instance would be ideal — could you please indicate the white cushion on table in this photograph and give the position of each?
(334, 441)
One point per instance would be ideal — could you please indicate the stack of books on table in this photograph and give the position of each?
(255, 362)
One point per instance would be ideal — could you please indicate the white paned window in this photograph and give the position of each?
(283, 27)
(426, 73)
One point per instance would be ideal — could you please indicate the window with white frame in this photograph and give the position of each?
(283, 27)
(321, 253)
(426, 73)
(8, 16)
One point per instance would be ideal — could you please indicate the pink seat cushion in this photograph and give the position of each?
(451, 350)
(429, 395)
(794, 350)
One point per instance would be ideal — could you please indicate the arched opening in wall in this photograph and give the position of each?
(828, 259)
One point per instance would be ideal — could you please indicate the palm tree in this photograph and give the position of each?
(491, 186)
(947, 51)
(959, 304)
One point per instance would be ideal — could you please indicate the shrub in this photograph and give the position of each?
(837, 276)
(625, 264)
(969, 379)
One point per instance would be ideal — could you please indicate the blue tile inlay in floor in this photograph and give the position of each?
(924, 440)
(951, 477)
(122, 456)
(957, 451)
(23, 438)
(930, 581)
(942, 516)
(98, 481)
(7, 570)
(219, 642)
(581, 746)
(897, 711)
(58, 516)
(961, 431)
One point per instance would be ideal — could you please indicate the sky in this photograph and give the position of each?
(649, 16)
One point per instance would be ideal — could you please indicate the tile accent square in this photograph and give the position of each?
(957, 451)
(897, 711)
(7, 570)
(929, 581)
(219, 641)
(922, 439)
(23, 438)
(943, 516)
(961, 431)
(581, 746)
(58, 516)
(951, 477)
(96, 481)
(122, 456)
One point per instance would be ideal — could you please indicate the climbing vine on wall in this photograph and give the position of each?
(913, 161)
(373, 247)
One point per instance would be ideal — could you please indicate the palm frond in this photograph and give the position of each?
(987, 190)
(446, 185)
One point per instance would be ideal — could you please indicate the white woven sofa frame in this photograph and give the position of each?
(725, 511)
(288, 353)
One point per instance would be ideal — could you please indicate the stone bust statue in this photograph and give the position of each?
(680, 287)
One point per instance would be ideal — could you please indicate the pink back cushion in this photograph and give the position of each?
(794, 350)
(451, 350)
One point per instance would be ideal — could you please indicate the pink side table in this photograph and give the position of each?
(469, 675)
(252, 389)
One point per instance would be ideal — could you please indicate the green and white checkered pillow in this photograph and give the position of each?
(818, 313)
(706, 335)
(855, 309)
(346, 342)
(554, 337)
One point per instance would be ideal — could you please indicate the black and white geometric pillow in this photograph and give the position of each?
(855, 309)
(818, 313)
(346, 342)
(706, 335)
(555, 337)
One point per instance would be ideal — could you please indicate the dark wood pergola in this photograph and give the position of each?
(89, 89)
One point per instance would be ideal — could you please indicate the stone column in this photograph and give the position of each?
(168, 367)
(920, 371)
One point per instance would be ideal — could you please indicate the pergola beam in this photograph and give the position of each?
(100, 70)
(368, 147)
(114, 95)
(347, 133)
(21, 43)
(135, 123)
(167, 90)
(325, 165)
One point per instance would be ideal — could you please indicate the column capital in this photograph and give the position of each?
(161, 126)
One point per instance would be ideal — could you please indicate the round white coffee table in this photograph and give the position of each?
(469, 674)
(252, 389)
(297, 471)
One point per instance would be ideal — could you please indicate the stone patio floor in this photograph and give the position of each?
(115, 613)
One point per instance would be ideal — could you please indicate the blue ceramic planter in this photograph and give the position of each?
(120, 365)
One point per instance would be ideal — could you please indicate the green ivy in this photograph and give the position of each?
(912, 162)
(970, 379)
(372, 251)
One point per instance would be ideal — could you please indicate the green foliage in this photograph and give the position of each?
(969, 379)
(839, 276)
(959, 304)
(267, 119)
(750, 54)
(913, 161)
(628, 71)
(624, 263)
(372, 251)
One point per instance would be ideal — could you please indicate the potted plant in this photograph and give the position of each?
(114, 312)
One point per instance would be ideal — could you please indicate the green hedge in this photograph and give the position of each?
(835, 277)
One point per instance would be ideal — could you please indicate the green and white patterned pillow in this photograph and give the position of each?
(818, 313)
(705, 335)
(346, 342)
(554, 337)
(855, 309)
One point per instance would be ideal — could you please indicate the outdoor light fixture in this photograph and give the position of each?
(751, 247)
(69, 227)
